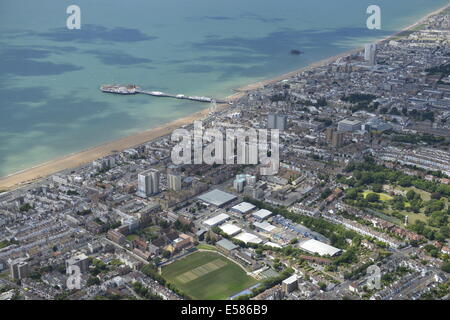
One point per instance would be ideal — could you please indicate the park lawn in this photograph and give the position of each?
(132, 237)
(412, 217)
(426, 196)
(152, 229)
(210, 284)
(383, 196)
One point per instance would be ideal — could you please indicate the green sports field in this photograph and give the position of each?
(207, 276)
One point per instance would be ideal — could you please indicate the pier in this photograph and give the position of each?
(133, 89)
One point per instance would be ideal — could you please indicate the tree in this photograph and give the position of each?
(376, 187)
(373, 197)
(434, 206)
(259, 251)
(326, 193)
(351, 193)
(410, 195)
(445, 231)
(438, 219)
(35, 275)
(93, 281)
(166, 254)
(25, 207)
(322, 286)
(16, 295)
(446, 267)
(436, 195)
(151, 271)
(439, 237)
(395, 111)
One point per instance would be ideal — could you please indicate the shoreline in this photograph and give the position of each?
(77, 159)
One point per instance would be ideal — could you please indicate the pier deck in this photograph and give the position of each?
(132, 89)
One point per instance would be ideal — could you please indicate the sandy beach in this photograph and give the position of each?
(83, 157)
(80, 158)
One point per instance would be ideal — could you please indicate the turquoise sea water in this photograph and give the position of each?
(50, 104)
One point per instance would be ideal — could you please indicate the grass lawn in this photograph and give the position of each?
(383, 196)
(152, 229)
(207, 276)
(115, 262)
(412, 217)
(4, 244)
(423, 194)
(132, 237)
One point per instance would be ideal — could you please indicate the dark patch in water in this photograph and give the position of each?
(256, 57)
(92, 33)
(22, 61)
(196, 69)
(243, 16)
(117, 58)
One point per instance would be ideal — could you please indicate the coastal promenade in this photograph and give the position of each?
(83, 157)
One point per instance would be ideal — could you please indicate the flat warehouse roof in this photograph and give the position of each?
(262, 214)
(272, 244)
(265, 226)
(243, 207)
(248, 237)
(216, 220)
(349, 121)
(291, 279)
(217, 197)
(230, 229)
(314, 246)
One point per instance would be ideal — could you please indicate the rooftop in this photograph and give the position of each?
(230, 229)
(272, 244)
(265, 226)
(262, 214)
(248, 237)
(314, 246)
(243, 207)
(350, 121)
(216, 220)
(226, 244)
(291, 279)
(217, 197)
